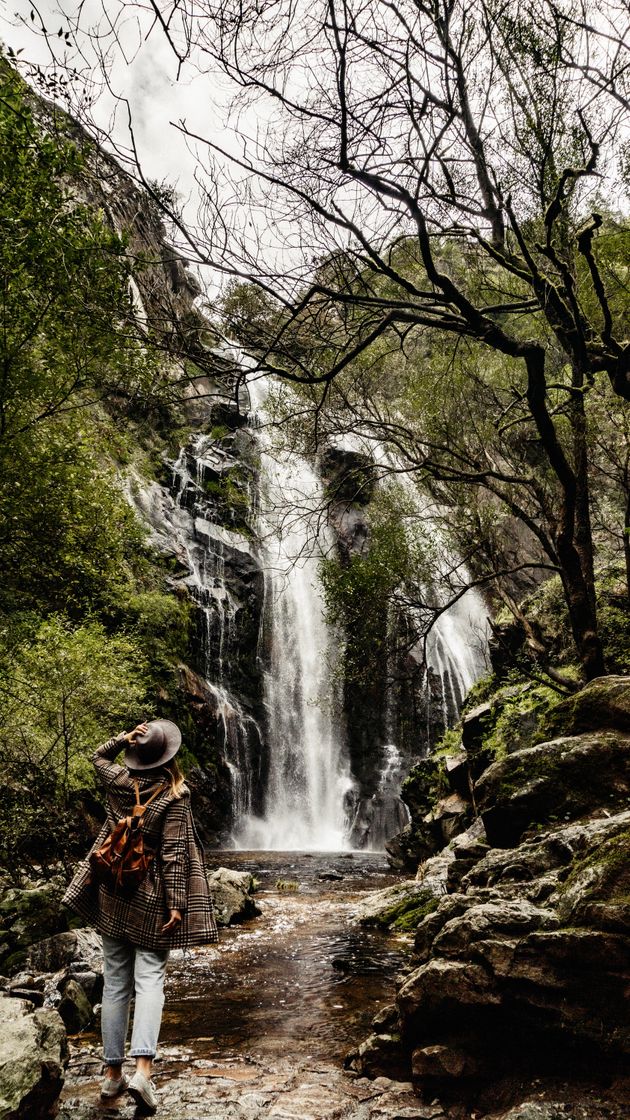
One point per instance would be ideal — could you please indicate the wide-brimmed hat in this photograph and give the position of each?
(159, 744)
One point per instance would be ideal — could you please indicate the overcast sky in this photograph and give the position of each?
(143, 70)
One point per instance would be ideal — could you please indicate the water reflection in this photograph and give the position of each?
(300, 976)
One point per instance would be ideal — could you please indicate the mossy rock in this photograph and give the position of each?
(409, 920)
(560, 780)
(424, 785)
(401, 907)
(508, 721)
(603, 703)
(597, 891)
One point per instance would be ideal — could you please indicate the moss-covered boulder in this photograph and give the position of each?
(400, 907)
(560, 780)
(597, 891)
(28, 915)
(603, 703)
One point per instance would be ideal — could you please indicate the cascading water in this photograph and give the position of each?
(451, 658)
(184, 526)
(309, 776)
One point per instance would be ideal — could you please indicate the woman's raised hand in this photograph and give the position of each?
(141, 729)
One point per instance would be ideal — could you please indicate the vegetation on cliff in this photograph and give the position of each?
(89, 633)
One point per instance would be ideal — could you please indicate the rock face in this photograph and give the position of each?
(522, 966)
(562, 779)
(27, 915)
(399, 907)
(604, 702)
(70, 967)
(232, 894)
(33, 1054)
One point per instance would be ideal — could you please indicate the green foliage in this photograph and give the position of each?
(68, 331)
(515, 717)
(160, 625)
(358, 593)
(89, 637)
(61, 691)
(68, 538)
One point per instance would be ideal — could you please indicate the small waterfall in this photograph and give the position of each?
(308, 777)
(211, 543)
(451, 658)
(205, 556)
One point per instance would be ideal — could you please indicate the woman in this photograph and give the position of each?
(170, 908)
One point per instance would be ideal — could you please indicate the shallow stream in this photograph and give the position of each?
(259, 1025)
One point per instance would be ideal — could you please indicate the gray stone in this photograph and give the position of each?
(604, 702)
(504, 917)
(74, 1007)
(33, 1054)
(232, 894)
(445, 1063)
(540, 1110)
(385, 907)
(450, 816)
(445, 984)
(30, 914)
(66, 950)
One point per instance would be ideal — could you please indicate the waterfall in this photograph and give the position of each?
(450, 660)
(207, 558)
(308, 776)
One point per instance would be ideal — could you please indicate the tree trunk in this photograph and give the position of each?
(572, 536)
(626, 542)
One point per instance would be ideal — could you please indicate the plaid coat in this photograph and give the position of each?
(176, 879)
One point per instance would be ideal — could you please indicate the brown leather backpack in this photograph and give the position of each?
(123, 860)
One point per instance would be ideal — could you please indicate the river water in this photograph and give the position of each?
(259, 1025)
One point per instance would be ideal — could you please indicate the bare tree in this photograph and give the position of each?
(390, 131)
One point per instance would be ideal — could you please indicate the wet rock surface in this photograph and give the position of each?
(191, 1088)
(233, 895)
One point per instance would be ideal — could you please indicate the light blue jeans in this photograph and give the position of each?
(127, 968)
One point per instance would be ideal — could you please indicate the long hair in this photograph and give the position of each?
(177, 778)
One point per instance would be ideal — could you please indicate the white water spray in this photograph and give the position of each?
(309, 776)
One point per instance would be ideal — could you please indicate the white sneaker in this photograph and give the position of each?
(113, 1087)
(143, 1092)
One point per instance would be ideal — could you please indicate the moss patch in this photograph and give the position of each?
(410, 920)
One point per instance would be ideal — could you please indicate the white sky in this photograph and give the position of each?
(147, 78)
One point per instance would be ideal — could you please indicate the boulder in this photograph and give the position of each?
(458, 773)
(33, 1055)
(401, 906)
(440, 987)
(498, 918)
(29, 914)
(410, 846)
(450, 816)
(232, 894)
(74, 1006)
(543, 1110)
(602, 703)
(561, 779)
(379, 1055)
(445, 1063)
(597, 891)
(79, 949)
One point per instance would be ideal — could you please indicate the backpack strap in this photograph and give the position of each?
(155, 793)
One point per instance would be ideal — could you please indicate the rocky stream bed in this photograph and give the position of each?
(260, 1025)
